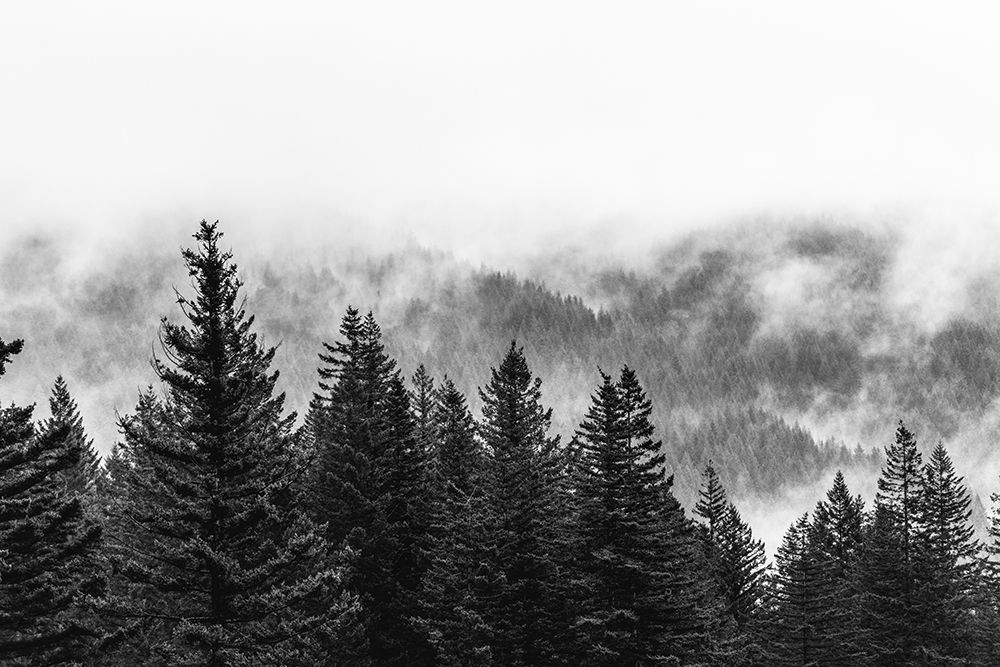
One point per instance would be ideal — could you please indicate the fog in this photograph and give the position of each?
(558, 141)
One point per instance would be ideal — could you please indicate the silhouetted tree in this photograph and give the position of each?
(217, 561)
(48, 543)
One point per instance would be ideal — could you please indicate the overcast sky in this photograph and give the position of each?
(469, 123)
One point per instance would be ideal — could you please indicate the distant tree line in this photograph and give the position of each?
(393, 527)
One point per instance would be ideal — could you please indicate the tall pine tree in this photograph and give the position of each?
(218, 562)
(953, 568)
(736, 560)
(460, 580)
(630, 579)
(795, 609)
(889, 578)
(836, 539)
(371, 485)
(48, 542)
(523, 503)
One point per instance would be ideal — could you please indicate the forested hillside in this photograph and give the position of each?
(405, 521)
(818, 324)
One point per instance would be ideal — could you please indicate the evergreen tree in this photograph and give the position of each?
(371, 486)
(736, 560)
(838, 523)
(742, 566)
(698, 628)
(836, 539)
(796, 606)
(460, 580)
(712, 502)
(620, 484)
(523, 504)
(48, 544)
(65, 412)
(459, 456)
(889, 578)
(216, 560)
(422, 405)
(951, 559)
(637, 594)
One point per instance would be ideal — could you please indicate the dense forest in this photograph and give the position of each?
(406, 520)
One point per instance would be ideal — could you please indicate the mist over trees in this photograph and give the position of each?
(409, 520)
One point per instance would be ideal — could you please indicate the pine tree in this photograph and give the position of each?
(422, 404)
(637, 593)
(523, 504)
(459, 456)
(796, 606)
(371, 485)
(836, 538)
(697, 626)
(65, 413)
(889, 572)
(217, 562)
(838, 523)
(742, 565)
(712, 502)
(459, 580)
(951, 558)
(48, 544)
(737, 560)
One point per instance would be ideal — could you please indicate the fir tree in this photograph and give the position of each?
(65, 413)
(836, 539)
(371, 486)
(712, 502)
(951, 558)
(459, 581)
(48, 543)
(218, 564)
(459, 456)
(523, 504)
(736, 561)
(888, 584)
(422, 405)
(623, 586)
(796, 606)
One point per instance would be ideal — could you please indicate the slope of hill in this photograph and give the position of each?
(737, 334)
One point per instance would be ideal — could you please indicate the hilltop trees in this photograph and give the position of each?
(393, 528)
(218, 562)
(48, 543)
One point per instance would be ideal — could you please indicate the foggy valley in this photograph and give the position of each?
(474, 333)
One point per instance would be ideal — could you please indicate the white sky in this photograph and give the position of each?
(470, 123)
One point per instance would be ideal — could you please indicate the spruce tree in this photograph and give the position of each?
(422, 404)
(523, 506)
(795, 610)
(459, 580)
(951, 560)
(637, 598)
(64, 412)
(888, 595)
(712, 502)
(836, 538)
(217, 562)
(48, 543)
(371, 485)
(736, 560)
